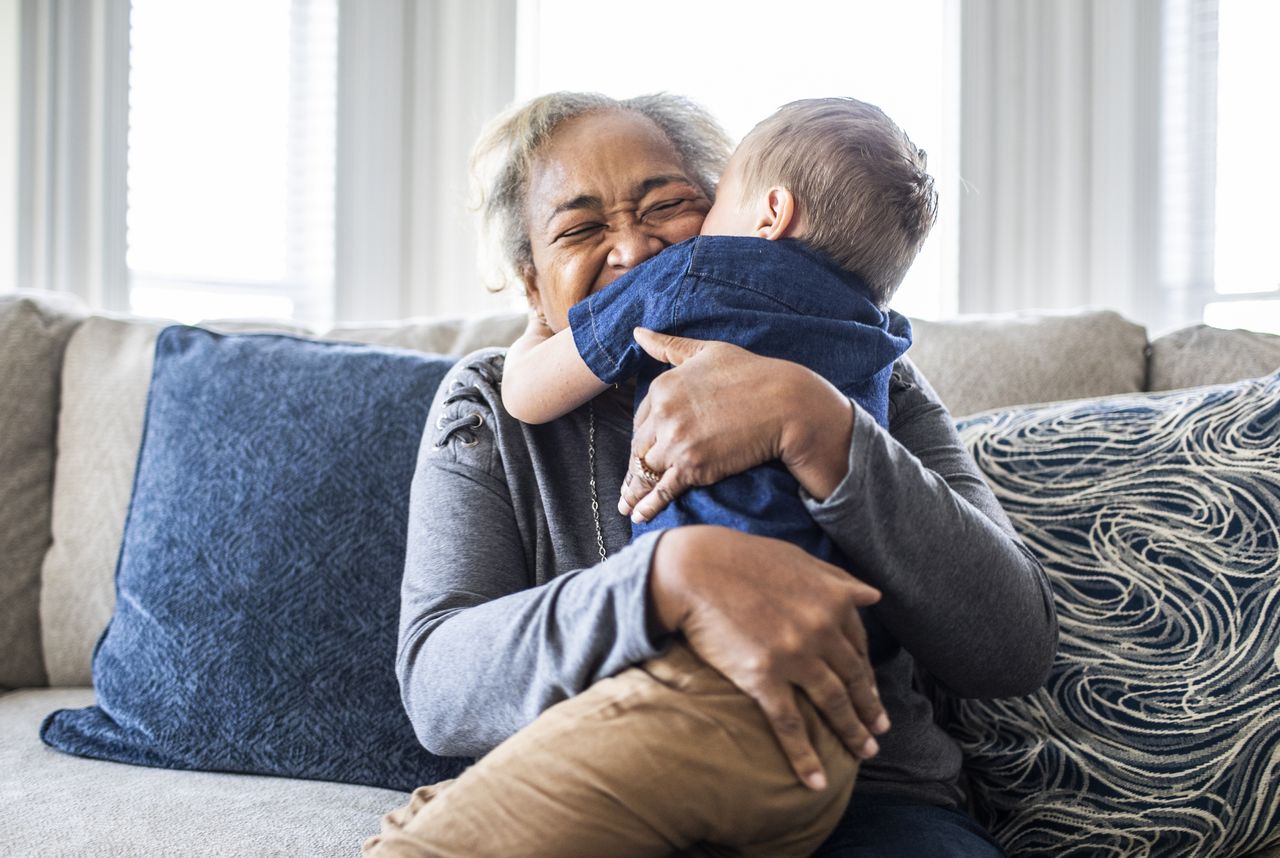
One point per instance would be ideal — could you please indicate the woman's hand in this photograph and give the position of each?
(722, 410)
(774, 619)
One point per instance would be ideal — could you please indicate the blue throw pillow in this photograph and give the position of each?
(258, 584)
(1157, 519)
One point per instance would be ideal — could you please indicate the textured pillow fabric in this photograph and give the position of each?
(105, 375)
(34, 330)
(1157, 518)
(258, 581)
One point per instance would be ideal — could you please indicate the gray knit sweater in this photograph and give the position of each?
(507, 609)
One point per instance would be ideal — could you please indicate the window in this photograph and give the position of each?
(742, 60)
(232, 110)
(1247, 229)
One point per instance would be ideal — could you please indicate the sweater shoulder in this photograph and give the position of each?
(467, 416)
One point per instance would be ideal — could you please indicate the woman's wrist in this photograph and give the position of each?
(666, 585)
(817, 434)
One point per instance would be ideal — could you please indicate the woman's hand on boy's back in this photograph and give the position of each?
(723, 410)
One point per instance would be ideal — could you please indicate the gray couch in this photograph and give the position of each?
(72, 390)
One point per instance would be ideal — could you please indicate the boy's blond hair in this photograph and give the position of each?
(860, 184)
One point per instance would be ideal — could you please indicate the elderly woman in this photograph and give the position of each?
(522, 587)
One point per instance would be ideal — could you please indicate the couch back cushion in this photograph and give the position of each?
(1158, 731)
(34, 331)
(104, 381)
(258, 582)
(981, 362)
(1201, 355)
(446, 336)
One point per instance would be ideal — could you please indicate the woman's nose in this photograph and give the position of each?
(632, 245)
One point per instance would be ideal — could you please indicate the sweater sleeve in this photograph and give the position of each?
(482, 649)
(960, 591)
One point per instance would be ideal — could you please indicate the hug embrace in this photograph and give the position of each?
(699, 544)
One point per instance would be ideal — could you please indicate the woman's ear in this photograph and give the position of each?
(529, 278)
(778, 215)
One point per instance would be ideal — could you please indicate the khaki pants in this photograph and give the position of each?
(668, 757)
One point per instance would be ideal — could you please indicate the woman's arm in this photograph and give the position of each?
(961, 592)
(482, 650)
(910, 509)
(545, 377)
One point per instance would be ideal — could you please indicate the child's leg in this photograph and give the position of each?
(668, 757)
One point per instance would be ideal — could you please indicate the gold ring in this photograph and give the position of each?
(642, 468)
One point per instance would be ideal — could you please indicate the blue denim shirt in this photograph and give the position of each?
(780, 299)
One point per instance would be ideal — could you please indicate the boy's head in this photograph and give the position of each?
(839, 174)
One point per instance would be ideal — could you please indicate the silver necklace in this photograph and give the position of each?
(595, 500)
(591, 458)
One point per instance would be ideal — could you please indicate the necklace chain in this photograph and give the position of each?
(591, 458)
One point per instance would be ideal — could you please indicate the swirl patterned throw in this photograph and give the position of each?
(1157, 518)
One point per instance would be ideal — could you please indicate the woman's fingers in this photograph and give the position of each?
(774, 620)
(656, 498)
(667, 348)
(860, 685)
(831, 696)
(778, 702)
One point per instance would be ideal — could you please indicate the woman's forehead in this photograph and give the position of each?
(603, 158)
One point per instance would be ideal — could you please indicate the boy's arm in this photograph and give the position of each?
(544, 376)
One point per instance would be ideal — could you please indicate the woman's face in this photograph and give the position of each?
(607, 192)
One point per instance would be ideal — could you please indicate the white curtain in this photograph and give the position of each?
(1073, 116)
(73, 92)
(416, 81)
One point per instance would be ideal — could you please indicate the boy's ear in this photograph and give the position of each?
(778, 216)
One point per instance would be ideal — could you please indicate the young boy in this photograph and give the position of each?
(819, 213)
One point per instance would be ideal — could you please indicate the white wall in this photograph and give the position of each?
(10, 44)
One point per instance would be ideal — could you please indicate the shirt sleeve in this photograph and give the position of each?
(645, 297)
(960, 591)
(482, 651)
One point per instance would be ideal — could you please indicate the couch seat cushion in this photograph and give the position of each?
(59, 806)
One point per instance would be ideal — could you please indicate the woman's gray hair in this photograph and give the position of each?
(504, 153)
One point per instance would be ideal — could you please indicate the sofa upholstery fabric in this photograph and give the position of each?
(104, 377)
(59, 806)
(981, 362)
(458, 336)
(1202, 355)
(34, 333)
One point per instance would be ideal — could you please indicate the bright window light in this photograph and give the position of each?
(232, 111)
(1247, 240)
(742, 59)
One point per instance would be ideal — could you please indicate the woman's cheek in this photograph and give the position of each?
(686, 226)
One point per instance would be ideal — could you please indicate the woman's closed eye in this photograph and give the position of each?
(664, 209)
(578, 231)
